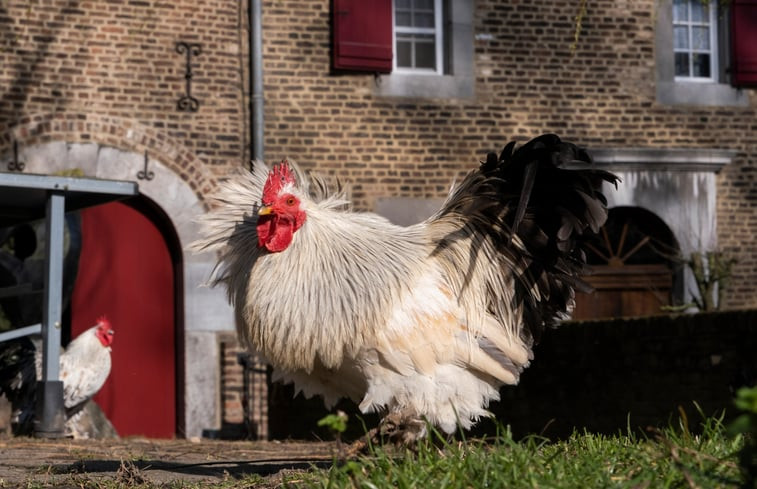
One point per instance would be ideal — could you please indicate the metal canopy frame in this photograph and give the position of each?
(25, 197)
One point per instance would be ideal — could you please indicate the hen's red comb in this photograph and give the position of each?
(280, 176)
(103, 321)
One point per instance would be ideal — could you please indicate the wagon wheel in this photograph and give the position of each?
(615, 254)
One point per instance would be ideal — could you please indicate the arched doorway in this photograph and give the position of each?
(205, 311)
(128, 271)
(633, 267)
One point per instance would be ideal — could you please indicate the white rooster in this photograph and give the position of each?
(420, 323)
(84, 367)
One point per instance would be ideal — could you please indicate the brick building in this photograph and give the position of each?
(648, 88)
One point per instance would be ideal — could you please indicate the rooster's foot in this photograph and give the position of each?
(402, 429)
(396, 428)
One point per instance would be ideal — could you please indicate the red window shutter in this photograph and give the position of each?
(363, 35)
(744, 42)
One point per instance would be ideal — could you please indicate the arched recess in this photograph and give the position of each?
(175, 193)
(634, 267)
(677, 185)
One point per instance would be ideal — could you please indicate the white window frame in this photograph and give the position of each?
(436, 31)
(713, 51)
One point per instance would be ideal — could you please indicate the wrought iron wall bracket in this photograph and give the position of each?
(187, 102)
(16, 165)
(145, 174)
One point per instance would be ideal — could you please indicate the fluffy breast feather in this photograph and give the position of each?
(332, 290)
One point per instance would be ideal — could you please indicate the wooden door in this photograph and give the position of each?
(631, 290)
(126, 273)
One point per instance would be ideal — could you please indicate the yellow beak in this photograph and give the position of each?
(264, 211)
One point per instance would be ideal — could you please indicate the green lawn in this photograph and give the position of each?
(671, 457)
(690, 453)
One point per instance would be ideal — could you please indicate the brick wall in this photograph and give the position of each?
(117, 60)
(529, 79)
(108, 72)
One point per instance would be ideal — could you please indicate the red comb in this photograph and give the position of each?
(280, 176)
(103, 321)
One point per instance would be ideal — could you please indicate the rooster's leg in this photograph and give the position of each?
(402, 428)
(398, 428)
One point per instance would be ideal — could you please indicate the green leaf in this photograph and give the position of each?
(742, 424)
(335, 422)
(746, 399)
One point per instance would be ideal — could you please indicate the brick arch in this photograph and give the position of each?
(116, 132)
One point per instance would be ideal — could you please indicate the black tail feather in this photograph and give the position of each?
(556, 194)
(528, 212)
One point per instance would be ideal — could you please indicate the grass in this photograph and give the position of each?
(668, 458)
(679, 456)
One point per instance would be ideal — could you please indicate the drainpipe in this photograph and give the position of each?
(255, 13)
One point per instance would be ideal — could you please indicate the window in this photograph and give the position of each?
(420, 48)
(695, 56)
(695, 40)
(418, 33)
(433, 50)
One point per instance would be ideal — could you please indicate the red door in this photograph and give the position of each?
(126, 273)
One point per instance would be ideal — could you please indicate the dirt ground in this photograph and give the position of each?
(27, 462)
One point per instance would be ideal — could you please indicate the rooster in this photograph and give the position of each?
(84, 368)
(423, 323)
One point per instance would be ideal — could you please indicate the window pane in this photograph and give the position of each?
(424, 19)
(425, 52)
(680, 10)
(701, 65)
(424, 4)
(682, 64)
(405, 4)
(404, 54)
(699, 11)
(681, 37)
(402, 17)
(700, 38)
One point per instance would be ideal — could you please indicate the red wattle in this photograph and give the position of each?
(265, 229)
(274, 234)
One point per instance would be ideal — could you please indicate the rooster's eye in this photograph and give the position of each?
(290, 201)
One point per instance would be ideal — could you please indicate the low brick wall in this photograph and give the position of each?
(599, 375)
(607, 375)
(233, 423)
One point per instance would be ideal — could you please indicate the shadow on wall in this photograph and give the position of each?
(24, 78)
(607, 376)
